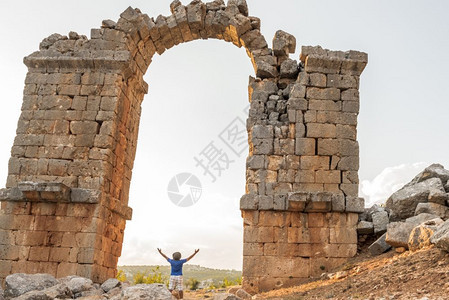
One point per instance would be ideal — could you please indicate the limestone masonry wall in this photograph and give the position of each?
(65, 204)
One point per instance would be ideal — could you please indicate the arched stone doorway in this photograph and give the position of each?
(64, 208)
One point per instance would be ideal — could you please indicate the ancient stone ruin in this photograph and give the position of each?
(64, 207)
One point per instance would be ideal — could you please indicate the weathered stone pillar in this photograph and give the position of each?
(300, 210)
(64, 208)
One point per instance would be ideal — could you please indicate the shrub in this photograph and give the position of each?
(121, 276)
(193, 284)
(154, 277)
(226, 282)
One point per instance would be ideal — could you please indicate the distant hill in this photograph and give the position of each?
(206, 276)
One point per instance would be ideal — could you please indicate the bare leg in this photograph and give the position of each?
(181, 294)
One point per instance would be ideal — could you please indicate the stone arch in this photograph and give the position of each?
(64, 208)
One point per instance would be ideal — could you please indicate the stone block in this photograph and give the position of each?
(253, 249)
(79, 195)
(379, 246)
(325, 105)
(339, 147)
(348, 163)
(343, 235)
(305, 176)
(365, 227)
(320, 130)
(323, 94)
(350, 95)
(338, 203)
(297, 103)
(305, 146)
(350, 177)
(280, 202)
(262, 132)
(255, 162)
(380, 221)
(298, 235)
(314, 162)
(283, 43)
(398, 234)
(265, 202)
(321, 64)
(298, 91)
(350, 106)
(342, 81)
(355, 204)
(296, 201)
(319, 202)
(328, 176)
(39, 254)
(284, 146)
(289, 69)
(249, 202)
(300, 130)
(317, 80)
(317, 220)
(350, 189)
(346, 132)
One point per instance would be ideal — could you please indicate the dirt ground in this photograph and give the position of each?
(423, 274)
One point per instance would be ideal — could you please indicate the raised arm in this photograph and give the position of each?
(160, 251)
(194, 253)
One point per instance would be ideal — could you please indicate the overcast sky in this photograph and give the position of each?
(197, 89)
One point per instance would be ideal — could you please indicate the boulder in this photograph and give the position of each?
(242, 294)
(398, 234)
(368, 212)
(110, 284)
(19, 283)
(403, 202)
(79, 284)
(438, 196)
(59, 291)
(421, 234)
(441, 236)
(433, 208)
(432, 171)
(153, 291)
(379, 246)
(365, 227)
(421, 218)
(380, 221)
(446, 188)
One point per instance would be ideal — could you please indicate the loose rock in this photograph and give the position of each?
(379, 246)
(420, 235)
(441, 236)
(20, 283)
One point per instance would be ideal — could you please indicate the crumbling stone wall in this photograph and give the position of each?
(64, 207)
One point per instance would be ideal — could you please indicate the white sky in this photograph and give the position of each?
(198, 88)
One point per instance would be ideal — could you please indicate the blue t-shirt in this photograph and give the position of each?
(176, 266)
